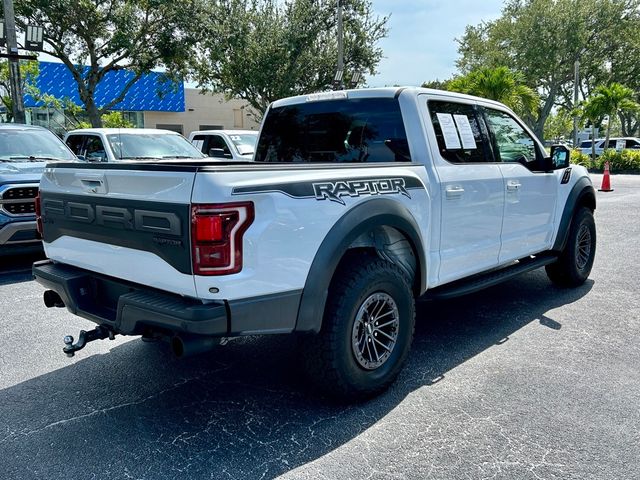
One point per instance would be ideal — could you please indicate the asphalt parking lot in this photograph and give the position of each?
(521, 381)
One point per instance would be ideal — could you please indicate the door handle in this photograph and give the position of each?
(454, 191)
(513, 185)
(92, 183)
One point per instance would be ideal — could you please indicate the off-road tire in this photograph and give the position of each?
(576, 260)
(331, 355)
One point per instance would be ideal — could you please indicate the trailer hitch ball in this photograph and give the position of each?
(98, 333)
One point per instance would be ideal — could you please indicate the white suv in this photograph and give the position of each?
(630, 143)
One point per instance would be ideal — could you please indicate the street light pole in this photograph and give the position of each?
(576, 82)
(340, 42)
(14, 65)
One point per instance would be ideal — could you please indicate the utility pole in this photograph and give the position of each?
(14, 65)
(340, 47)
(576, 83)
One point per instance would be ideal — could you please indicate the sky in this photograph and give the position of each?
(421, 42)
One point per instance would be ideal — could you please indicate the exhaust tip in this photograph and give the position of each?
(187, 345)
(177, 346)
(52, 299)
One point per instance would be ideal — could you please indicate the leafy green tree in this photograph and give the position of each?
(116, 120)
(110, 35)
(558, 125)
(263, 50)
(542, 39)
(28, 75)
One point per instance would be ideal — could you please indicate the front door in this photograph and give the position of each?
(530, 194)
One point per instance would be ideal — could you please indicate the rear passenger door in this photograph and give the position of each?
(530, 193)
(471, 190)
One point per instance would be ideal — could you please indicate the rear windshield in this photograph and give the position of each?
(354, 130)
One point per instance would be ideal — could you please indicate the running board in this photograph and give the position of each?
(484, 280)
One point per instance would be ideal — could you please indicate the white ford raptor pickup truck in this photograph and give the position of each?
(358, 202)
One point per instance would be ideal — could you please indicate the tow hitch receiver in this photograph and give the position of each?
(98, 333)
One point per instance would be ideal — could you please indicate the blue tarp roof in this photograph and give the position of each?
(149, 93)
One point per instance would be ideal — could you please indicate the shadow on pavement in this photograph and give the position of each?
(241, 411)
(17, 268)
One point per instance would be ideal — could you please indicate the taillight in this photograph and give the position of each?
(216, 237)
(38, 208)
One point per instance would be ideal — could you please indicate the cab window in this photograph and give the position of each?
(460, 132)
(94, 149)
(74, 142)
(511, 140)
(346, 130)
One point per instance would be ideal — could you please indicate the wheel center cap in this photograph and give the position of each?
(369, 329)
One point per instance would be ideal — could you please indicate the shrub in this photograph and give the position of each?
(624, 161)
(579, 158)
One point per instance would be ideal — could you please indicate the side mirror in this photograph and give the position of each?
(216, 152)
(81, 158)
(560, 157)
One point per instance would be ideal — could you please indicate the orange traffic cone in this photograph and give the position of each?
(606, 182)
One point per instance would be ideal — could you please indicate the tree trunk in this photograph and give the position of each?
(544, 113)
(606, 140)
(95, 118)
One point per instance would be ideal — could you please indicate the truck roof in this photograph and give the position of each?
(134, 131)
(383, 92)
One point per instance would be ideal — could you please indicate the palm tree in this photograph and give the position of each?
(593, 111)
(500, 84)
(612, 100)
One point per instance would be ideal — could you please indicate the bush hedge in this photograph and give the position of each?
(626, 161)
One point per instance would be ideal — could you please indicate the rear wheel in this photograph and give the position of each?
(366, 331)
(576, 260)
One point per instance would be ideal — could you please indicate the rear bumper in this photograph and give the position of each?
(133, 309)
(128, 308)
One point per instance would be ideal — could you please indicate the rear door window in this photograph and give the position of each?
(75, 143)
(201, 143)
(346, 130)
(460, 132)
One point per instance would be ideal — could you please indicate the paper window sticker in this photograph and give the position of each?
(449, 131)
(466, 133)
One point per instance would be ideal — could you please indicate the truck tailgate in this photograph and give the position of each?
(130, 221)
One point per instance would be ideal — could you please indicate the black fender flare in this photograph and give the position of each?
(358, 220)
(582, 193)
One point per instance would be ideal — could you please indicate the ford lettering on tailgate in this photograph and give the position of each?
(156, 227)
(117, 217)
